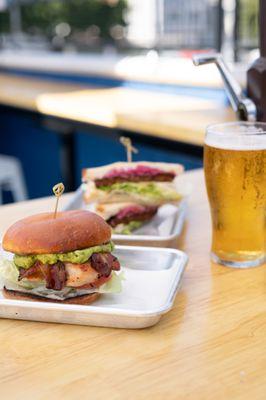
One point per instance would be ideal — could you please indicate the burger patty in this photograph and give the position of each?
(144, 214)
(96, 271)
(160, 177)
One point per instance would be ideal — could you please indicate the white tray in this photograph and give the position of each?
(153, 277)
(168, 239)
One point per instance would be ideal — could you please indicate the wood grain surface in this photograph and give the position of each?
(211, 345)
(181, 118)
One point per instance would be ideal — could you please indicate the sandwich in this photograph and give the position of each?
(144, 183)
(67, 259)
(128, 195)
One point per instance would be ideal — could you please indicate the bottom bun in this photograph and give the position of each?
(17, 295)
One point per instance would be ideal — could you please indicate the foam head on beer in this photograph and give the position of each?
(236, 136)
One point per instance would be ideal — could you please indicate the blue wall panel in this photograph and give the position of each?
(36, 147)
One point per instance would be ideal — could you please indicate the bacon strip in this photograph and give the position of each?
(54, 275)
(104, 263)
(36, 272)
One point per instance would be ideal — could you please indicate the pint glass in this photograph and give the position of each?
(235, 175)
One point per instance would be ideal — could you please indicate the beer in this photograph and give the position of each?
(235, 174)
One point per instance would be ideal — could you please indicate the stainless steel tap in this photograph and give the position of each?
(242, 105)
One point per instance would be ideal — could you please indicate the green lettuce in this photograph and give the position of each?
(9, 274)
(114, 285)
(127, 229)
(149, 189)
(8, 271)
(76, 257)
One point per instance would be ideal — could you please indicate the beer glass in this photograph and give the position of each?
(235, 175)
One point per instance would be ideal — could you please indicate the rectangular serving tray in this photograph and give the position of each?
(167, 240)
(152, 279)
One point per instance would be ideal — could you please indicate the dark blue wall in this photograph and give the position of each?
(24, 136)
(36, 147)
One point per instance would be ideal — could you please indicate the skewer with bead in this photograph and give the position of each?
(126, 142)
(58, 191)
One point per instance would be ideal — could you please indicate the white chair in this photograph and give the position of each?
(12, 178)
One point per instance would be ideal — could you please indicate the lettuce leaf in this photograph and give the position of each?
(9, 274)
(153, 190)
(127, 229)
(8, 271)
(114, 285)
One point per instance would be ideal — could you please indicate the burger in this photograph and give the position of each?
(67, 259)
(127, 195)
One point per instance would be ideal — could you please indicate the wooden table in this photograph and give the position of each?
(210, 346)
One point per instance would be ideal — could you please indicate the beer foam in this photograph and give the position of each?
(236, 137)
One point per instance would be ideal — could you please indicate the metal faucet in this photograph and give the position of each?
(241, 104)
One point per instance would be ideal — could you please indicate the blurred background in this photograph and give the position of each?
(130, 26)
(77, 74)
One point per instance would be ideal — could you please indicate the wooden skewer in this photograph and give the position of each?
(58, 191)
(125, 141)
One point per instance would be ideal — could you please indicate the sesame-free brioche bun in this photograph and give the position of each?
(84, 299)
(44, 234)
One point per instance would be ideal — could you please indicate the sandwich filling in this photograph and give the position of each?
(66, 274)
(139, 184)
(141, 181)
(141, 173)
(151, 190)
(131, 217)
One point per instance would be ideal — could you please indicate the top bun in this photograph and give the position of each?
(69, 231)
